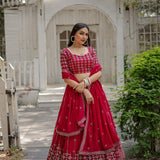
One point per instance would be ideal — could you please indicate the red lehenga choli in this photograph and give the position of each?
(84, 131)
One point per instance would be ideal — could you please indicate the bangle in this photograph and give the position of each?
(86, 81)
(89, 80)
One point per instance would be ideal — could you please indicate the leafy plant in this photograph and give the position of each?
(139, 103)
(127, 65)
(145, 8)
(130, 3)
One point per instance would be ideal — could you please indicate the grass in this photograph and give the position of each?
(13, 153)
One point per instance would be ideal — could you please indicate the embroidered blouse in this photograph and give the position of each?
(73, 64)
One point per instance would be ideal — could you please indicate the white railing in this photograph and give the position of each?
(12, 3)
(9, 128)
(27, 74)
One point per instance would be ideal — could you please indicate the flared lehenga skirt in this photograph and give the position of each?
(96, 138)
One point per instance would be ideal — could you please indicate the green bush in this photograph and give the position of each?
(139, 103)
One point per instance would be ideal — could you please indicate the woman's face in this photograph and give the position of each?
(81, 36)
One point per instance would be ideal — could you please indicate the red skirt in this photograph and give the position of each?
(91, 136)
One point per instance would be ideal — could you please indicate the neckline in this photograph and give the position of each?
(76, 54)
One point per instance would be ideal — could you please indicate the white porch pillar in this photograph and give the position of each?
(120, 44)
(42, 46)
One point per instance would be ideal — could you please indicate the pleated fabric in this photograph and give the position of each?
(92, 139)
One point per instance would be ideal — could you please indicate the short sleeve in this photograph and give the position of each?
(63, 61)
(64, 65)
(94, 55)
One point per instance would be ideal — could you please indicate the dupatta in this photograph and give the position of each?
(72, 114)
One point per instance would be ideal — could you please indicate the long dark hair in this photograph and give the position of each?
(77, 27)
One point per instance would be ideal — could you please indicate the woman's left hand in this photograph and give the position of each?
(80, 87)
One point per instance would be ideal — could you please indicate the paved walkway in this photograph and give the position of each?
(36, 131)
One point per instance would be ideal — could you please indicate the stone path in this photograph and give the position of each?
(36, 131)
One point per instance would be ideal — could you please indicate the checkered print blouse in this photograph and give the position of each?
(74, 64)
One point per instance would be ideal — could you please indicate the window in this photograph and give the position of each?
(64, 37)
(148, 36)
(93, 39)
(148, 24)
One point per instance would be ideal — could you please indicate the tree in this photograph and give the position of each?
(2, 34)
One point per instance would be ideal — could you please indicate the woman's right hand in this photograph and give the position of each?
(88, 96)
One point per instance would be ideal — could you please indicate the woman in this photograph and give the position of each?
(84, 127)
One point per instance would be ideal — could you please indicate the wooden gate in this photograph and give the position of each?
(9, 127)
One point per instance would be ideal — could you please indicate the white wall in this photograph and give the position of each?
(12, 35)
(130, 32)
(21, 33)
(53, 6)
